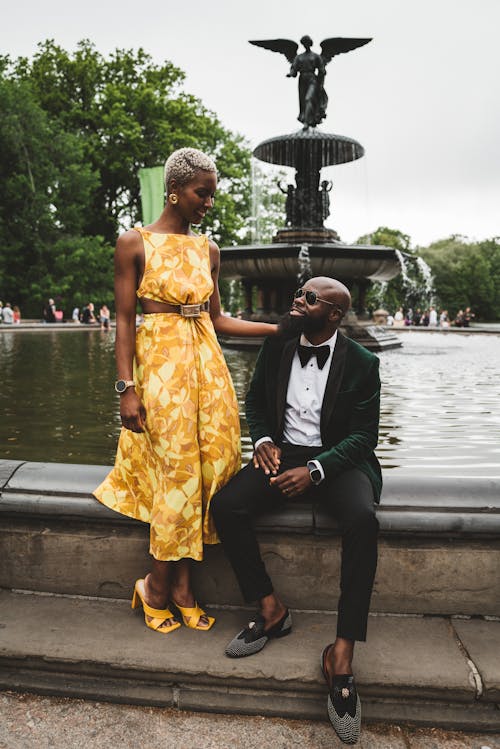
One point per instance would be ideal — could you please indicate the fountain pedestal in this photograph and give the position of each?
(304, 247)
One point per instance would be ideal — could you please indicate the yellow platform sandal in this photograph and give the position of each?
(191, 617)
(154, 618)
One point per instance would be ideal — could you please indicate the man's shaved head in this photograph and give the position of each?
(318, 313)
(332, 290)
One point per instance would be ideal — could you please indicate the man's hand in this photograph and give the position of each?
(132, 411)
(294, 482)
(267, 456)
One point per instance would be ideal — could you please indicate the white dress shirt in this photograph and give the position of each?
(304, 399)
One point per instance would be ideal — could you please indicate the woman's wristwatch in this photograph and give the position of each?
(122, 385)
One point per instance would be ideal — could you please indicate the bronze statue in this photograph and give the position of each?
(311, 68)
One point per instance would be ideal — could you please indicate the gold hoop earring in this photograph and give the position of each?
(173, 198)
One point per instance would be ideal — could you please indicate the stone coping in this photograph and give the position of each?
(410, 504)
(429, 670)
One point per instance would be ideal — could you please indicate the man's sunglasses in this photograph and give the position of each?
(312, 298)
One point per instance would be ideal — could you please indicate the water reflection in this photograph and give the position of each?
(440, 406)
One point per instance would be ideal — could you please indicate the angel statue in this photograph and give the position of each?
(311, 69)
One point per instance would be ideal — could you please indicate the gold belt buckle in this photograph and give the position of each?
(191, 310)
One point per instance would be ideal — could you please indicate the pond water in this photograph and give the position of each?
(440, 403)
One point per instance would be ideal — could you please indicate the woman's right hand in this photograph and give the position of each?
(132, 411)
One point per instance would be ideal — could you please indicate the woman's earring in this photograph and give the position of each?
(173, 198)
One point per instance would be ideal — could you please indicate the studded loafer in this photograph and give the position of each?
(253, 638)
(343, 704)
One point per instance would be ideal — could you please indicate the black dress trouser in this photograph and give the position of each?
(348, 497)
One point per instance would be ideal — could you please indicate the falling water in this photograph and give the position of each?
(426, 274)
(417, 279)
(256, 196)
(233, 285)
(379, 293)
(305, 270)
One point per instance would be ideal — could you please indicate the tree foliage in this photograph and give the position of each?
(130, 113)
(45, 193)
(75, 129)
(466, 274)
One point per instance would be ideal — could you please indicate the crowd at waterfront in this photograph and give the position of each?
(430, 318)
(11, 315)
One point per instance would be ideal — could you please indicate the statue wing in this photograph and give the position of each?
(336, 45)
(285, 46)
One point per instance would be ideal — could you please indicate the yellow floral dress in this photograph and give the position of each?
(167, 475)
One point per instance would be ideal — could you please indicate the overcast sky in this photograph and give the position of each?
(422, 97)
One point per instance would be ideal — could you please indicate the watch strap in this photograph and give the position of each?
(125, 384)
(314, 466)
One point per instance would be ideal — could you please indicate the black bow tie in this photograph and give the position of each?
(320, 352)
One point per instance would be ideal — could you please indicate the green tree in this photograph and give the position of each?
(467, 274)
(129, 113)
(45, 193)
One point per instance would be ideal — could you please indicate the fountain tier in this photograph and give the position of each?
(305, 248)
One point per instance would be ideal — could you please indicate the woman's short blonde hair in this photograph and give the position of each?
(183, 164)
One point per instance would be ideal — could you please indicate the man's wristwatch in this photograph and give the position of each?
(122, 385)
(314, 473)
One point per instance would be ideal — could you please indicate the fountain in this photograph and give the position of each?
(304, 247)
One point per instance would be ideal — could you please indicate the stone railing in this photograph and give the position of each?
(439, 544)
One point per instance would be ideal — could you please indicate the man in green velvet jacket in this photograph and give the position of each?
(313, 412)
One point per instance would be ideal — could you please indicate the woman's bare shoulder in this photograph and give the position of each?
(129, 243)
(213, 247)
(214, 251)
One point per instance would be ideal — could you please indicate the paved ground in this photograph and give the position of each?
(33, 722)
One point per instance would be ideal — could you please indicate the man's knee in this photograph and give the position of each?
(364, 520)
(231, 499)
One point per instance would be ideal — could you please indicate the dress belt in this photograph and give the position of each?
(186, 310)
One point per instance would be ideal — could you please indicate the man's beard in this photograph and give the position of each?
(291, 326)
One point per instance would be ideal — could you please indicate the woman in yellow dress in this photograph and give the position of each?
(180, 440)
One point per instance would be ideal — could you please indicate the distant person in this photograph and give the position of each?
(88, 317)
(425, 319)
(459, 319)
(468, 316)
(444, 320)
(17, 314)
(8, 314)
(104, 317)
(417, 317)
(409, 317)
(390, 320)
(49, 312)
(433, 317)
(399, 318)
(75, 315)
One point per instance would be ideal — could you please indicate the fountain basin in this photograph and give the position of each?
(306, 147)
(280, 261)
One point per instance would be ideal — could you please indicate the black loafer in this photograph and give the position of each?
(343, 704)
(253, 638)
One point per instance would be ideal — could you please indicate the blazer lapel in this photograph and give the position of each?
(334, 379)
(285, 367)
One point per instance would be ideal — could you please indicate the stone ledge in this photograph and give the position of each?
(410, 505)
(411, 669)
(56, 535)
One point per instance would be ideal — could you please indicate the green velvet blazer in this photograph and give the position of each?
(350, 411)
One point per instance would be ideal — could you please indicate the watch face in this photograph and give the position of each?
(315, 475)
(120, 386)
